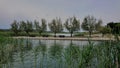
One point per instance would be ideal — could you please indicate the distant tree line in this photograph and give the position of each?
(28, 26)
(72, 24)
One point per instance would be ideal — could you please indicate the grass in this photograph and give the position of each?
(10, 33)
(5, 33)
(79, 34)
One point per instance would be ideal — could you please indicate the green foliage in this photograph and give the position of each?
(26, 26)
(6, 33)
(40, 28)
(105, 54)
(2, 39)
(79, 34)
(5, 50)
(56, 26)
(91, 25)
(72, 24)
(98, 25)
(44, 25)
(88, 24)
(115, 27)
(15, 27)
(55, 51)
(45, 34)
(105, 30)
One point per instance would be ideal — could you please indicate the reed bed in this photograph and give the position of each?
(23, 53)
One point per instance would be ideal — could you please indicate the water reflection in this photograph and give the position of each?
(43, 48)
(26, 53)
(55, 51)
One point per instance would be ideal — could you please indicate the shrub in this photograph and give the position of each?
(79, 34)
(45, 35)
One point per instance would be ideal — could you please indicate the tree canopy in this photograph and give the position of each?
(72, 24)
(115, 27)
(26, 26)
(40, 28)
(91, 24)
(15, 27)
(56, 26)
(88, 24)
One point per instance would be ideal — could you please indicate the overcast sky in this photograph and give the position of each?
(10, 10)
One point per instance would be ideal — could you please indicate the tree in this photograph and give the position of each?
(98, 26)
(104, 30)
(89, 24)
(115, 27)
(56, 26)
(26, 26)
(44, 25)
(15, 27)
(72, 24)
(40, 28)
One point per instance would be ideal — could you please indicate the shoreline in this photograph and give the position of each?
(66, 38)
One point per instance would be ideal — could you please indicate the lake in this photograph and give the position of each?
(25, 53)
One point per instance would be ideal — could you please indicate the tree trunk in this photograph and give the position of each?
(16, 33)
(102, 35)
(90, 33)
(40, 33)
(71, 34)
(28, 34)
(55, 34)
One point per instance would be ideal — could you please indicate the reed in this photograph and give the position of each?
(105, 54)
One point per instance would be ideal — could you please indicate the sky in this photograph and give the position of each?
(10, 10)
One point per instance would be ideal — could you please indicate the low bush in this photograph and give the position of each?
(6, 34)
(61, 35)
(79, 34)
(45, 35)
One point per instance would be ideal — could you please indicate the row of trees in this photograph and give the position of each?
(90, 24)
(28, 26)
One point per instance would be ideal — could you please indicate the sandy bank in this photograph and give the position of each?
(64, 38)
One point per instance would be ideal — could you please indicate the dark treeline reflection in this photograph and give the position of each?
(26, 53)
(55, 50)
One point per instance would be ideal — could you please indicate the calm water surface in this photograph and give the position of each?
(25, 53)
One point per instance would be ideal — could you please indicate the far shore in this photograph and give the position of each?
(66, 38)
